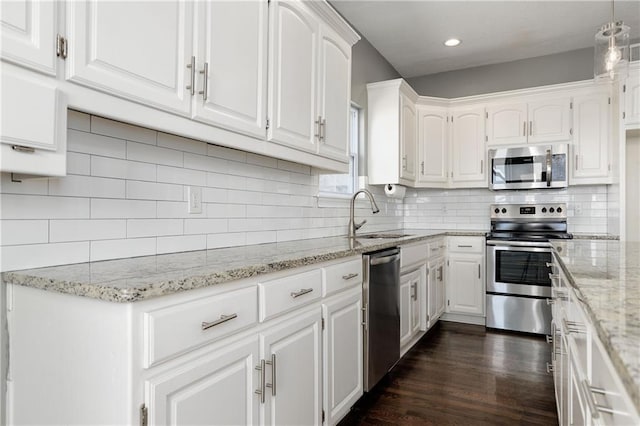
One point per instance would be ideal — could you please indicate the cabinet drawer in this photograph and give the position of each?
(436, 248)
(466, 244)
(176, 329)
(413, 254)
(288, 293)
(341, 276)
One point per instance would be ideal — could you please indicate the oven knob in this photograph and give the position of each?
(544, 210)
(551, 210)
(504, 210)
(496, 211)
(559, 209)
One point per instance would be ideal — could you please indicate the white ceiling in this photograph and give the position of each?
(409, 34)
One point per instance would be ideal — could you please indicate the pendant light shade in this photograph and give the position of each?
(611, 50)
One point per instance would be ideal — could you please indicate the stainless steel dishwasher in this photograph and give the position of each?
(380, 300)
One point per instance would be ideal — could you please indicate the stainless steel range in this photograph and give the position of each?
(518, 255)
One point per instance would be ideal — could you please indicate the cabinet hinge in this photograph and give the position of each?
(323, 323)
(61, 47)
(322, 416)
(268, 123)
(144, 418)
(609, 101)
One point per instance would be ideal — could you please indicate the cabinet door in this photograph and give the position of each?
(342, 354)
(334, 94)
(440, 289)
(294, 394)
(549, 120)
(433, 147)
(465, 292)
(507, 124)
(432, 288)
(468, 162)
(293, 42)
(33, 135)
(408, 139)
(632, 99)
(232, 41)
(409, 306)
(591, 134)
(29, 32)
(215, 389)
(134, 49)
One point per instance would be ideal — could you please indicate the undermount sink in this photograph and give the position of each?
(381, 236)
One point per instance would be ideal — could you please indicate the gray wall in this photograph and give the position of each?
(367, 66)
(564, 67)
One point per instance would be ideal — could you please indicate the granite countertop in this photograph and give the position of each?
(139, 278)
(606, 278)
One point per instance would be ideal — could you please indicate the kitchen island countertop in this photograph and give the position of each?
(606, 278)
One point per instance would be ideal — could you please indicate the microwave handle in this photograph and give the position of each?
(548, 167)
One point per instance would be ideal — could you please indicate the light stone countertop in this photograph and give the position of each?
(139, 278)
(606, 277)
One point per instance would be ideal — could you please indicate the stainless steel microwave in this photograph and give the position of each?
(528, 167)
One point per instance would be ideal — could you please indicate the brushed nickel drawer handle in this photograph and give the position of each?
(465, 246)
(272, 385)
(223, 319)
(349, 276)
(574, 327)
(261, 390)
(205, 81)
(25, 149)
(301, 292)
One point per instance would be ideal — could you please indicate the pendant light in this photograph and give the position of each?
(611, 50)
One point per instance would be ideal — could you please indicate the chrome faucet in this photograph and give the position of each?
(353, 226)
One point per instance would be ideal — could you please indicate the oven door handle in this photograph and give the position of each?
(520, 245)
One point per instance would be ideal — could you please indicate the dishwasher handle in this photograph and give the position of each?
(384, 259)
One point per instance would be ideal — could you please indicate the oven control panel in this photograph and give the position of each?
(529, 211)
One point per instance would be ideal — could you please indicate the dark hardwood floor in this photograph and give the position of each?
(461, 374)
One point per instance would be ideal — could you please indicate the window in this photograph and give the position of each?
(342, 185)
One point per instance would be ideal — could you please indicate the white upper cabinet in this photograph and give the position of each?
(632, 99)
(507, 124)
(549, 120)
(133, 49)
(29, 33)
(293, 44)
(334, 86)
(408, 138)
(433, 146)
(468, 148)
(231, 53)
(392, 130)
(33, 135)
(544, 120)
(591, 134)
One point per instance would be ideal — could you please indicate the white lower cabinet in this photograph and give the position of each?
(436, 287)
(215, 389)
(342, 353)
(465, 280)
(410, 298)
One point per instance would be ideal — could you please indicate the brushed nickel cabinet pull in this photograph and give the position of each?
(323, 130)
(464, 246)
(531, 128)
(205, 82)
(223, 319)
(524, 128)
(481, 166)
(478, 270)
(349, 276)
(192, 67)
(301, 292)
(272, 385)
(422, 167)
(576, 161)
(261, 390)
(591, 402)
(318, 124)
(25, 149)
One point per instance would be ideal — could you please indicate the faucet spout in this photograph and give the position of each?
(353, 226)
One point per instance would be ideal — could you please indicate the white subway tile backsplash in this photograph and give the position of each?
(87, 186)
(261, 160)
(205, 226)
(88, 143)
(86, 230)
(115, 249)
(24, 232)
(229, 239)
(226, 153)
(39, 207)
(153, 154)
(262, 237)
(78, 121)
(154, 227)
(181, 243)
(154, 191)
(117, 129)
(182, 144)
(181, 176)
(178, 209)
(215, 195)
(24, 186)
(78, 164)
(122, 209)
(204, 163)
(39, 255)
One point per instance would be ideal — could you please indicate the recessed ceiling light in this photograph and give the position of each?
(452, 42)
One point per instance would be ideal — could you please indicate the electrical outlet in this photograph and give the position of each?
(195, 200)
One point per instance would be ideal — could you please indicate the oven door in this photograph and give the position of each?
(518, 268)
